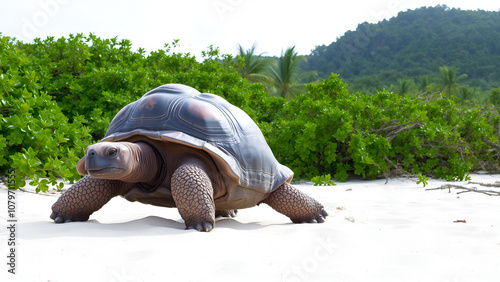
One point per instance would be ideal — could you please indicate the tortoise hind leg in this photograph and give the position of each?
(193, 195)
(86, 196)
(298, 206)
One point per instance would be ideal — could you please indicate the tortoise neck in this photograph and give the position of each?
(148, 165)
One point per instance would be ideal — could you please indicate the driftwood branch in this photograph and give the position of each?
(429, 96)
(387, 127)
(393, 134)
(470, 189)
(396, 171)
(393, 130)
(496, 184)
(496, 147)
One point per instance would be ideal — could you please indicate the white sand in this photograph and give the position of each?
(375, 232)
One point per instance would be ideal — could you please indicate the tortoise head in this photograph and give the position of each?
(107, 160)
(138, 162)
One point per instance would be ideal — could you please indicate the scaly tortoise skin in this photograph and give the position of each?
(177, 147)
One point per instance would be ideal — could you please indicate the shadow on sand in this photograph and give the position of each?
(147, 226)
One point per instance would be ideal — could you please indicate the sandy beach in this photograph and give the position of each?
(376, 231)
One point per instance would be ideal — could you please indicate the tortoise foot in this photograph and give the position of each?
(193, 195)
(316, 218)
(299, 207)
(204, 226)
(86, 196)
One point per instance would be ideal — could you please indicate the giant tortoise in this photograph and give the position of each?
(177, 147)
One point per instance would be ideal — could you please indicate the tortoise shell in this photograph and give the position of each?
(181, 114)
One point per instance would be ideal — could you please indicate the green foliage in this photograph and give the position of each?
(422, 179)
(254, 67)
(328, 130)
(414, 44)
(287, 76)
(494, 97)
(404, 86)
(449, 79)
(323, 180)
(57, 96)
(36, 139)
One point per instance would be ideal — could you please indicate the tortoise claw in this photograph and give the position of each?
(318, 218)
(201, 226)
(56, 218)
(60, 219)
(324, 213)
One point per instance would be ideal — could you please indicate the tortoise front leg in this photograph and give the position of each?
(298, 206)
(193, 195)
(83, 198)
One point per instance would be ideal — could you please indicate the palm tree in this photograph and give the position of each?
(494, 97)
(449, 80)
(465, 93)
(404, 87)
(287, 75)
(256, 68)
(423, 85)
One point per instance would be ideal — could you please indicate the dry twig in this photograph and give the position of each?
(472, 189)
(393, 130)
(496, 147)
(391, 135)
(496, 184)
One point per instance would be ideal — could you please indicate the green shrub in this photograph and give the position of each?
(323, 180)
(328, 130)
(37, 140)
(58, 96)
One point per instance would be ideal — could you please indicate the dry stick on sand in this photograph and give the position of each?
(473, 189)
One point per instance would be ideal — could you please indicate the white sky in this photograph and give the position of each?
(273, 24)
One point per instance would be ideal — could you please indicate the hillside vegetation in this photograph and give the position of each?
(412, 47)
(58, 96)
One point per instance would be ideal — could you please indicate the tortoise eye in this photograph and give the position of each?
(112, 152)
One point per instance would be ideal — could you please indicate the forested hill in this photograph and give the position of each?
(415, 44)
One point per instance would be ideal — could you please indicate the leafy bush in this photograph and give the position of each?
(36, 139)
(58, 96)
(328, 130)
